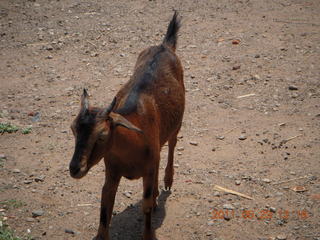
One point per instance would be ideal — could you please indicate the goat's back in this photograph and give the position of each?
(157, 80)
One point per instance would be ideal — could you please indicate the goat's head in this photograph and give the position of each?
(92, 129)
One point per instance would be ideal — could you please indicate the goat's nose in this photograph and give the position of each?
(74, 169)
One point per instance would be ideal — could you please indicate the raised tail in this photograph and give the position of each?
(172, 33)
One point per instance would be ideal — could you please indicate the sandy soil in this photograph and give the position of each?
(252, 120)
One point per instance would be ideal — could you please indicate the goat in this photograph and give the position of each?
(129, 133)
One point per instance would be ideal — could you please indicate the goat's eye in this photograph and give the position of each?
(101, 137)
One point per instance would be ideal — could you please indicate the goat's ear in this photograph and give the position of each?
(118, 120)
(84, 101)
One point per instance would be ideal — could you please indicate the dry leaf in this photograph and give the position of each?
(236, 41)
(299, 189)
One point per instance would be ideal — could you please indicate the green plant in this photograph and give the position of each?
(7, 127)
(6, 233)
(12, 203)
(26, 130)
(2, 160)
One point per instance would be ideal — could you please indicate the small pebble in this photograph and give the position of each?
(94, 54)
(273, 209)
(281, 237)
(16, 170)
(236, 67)
(216, 194)
(220, 137)
(266, 180)
(37, 213)
(243, 137)
(69, 231)
(194, 143)
(228, 206)
(49, 47)
(27, 181)
(292, 88)
(127, 194)
(238, 182)
(40, 178)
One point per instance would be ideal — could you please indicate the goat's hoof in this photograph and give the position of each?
(167, 184)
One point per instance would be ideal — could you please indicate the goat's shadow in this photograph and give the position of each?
(128, 225)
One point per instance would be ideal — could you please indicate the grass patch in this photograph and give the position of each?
(12, 203)
(7, 127)
(26, 130)
(6, 233)
(2, 160)
(10, 128)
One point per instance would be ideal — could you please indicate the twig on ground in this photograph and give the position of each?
(93, 44)
(219, 188)
(84, 205)
(289, 139)
(290, 180)
(247, 95)
(230, 130)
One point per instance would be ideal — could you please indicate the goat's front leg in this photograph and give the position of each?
(148, 204)
(107, 200)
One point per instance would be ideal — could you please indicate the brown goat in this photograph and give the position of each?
(145, 114)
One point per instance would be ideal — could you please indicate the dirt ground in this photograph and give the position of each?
(252, 119)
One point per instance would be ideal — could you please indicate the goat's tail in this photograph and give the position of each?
(172, 33)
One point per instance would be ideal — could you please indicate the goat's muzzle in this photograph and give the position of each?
(76, 170)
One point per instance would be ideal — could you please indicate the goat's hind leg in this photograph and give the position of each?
(148, 204)
(168, 177)
(156, 187)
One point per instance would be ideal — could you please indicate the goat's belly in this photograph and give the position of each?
(130, 166)
(131, 177)
(132, 172)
